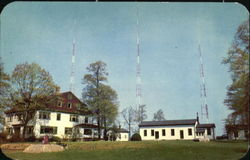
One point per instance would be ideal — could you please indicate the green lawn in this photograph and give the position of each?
(143, 150)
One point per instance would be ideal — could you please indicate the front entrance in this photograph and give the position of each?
(156, 134)
(181, 134)
(16, 130)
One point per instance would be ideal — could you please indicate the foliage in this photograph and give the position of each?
(159, 116)
(238, 59)
(32, 88)
(4, 90)
(141, 114)
(55, 139)
(128, 115)
(136, 137)
(101, 98)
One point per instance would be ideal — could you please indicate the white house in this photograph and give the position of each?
(185, 129)
(121, 134)
(64, 119)
(239, 132)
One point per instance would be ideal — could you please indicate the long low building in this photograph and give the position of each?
(186, 129)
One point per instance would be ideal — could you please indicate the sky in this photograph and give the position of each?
(170, 33)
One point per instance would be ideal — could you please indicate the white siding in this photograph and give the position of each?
(122, 137)
(168, 135)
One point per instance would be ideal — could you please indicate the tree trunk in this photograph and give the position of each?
(99, 127)
(105, 128)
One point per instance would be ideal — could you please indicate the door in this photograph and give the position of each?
(181, 134)
(156, 135)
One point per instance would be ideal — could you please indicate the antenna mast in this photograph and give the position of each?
(203, 94)
(138, 68)
(72, 73)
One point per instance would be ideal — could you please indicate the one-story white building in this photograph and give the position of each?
(120, 134)
(185, 129)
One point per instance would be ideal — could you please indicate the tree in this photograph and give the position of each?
(238, 59)
(32, 88)
(128, 115)
(159, 116)
(100, 97)
(4, 92)
(141, 114)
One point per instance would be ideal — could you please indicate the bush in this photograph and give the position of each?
(3, 137)
(136, 137)
(55, 139)
(15, 138)
(30, 139)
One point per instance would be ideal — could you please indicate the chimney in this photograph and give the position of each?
(197, 117)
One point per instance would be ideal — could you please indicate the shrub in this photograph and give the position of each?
(3, 137)
(15, 138)
(30, 139)
(136, 137)
(55, 139)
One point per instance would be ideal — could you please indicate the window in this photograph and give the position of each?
(172, 132)
(59, 104)
(69, 96)
(86, 120)
(119, 135)
(208, 131)
(68, 130)
(9, 130)
(69, 105)
(73, 118)
(152, 133)
(190, 131)
(163, 132)
(44, 115)
(145, 132)
(29, 130)
(125, 136)
(58, 116)
(9, 118)
(48, 130)
(87, 132)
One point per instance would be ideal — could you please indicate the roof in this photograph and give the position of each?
(168, 123)
(122, 130)
(237, 127)
(207, 125)
(86, 125)
(63, 97)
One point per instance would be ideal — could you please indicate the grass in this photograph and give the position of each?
(143, 150)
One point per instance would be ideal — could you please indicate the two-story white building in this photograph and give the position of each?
(186, 129)
(64, 119)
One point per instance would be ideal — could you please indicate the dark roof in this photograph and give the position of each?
(237, 127)
(86, 125)
(168, 123)
(200, 130)
(64, 98)
(122, 130)
(207, 125)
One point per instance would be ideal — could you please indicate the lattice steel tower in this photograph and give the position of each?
(203, 92)
(138, 67)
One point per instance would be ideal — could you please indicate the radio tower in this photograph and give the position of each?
(72, 68)
(72, 73)
(204, 106)
(138, 69)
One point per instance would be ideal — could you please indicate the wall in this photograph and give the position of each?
(168, 132)
(124, 137)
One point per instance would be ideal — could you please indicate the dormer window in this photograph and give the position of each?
(69, 105)
(69, 96)
(59, 104)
